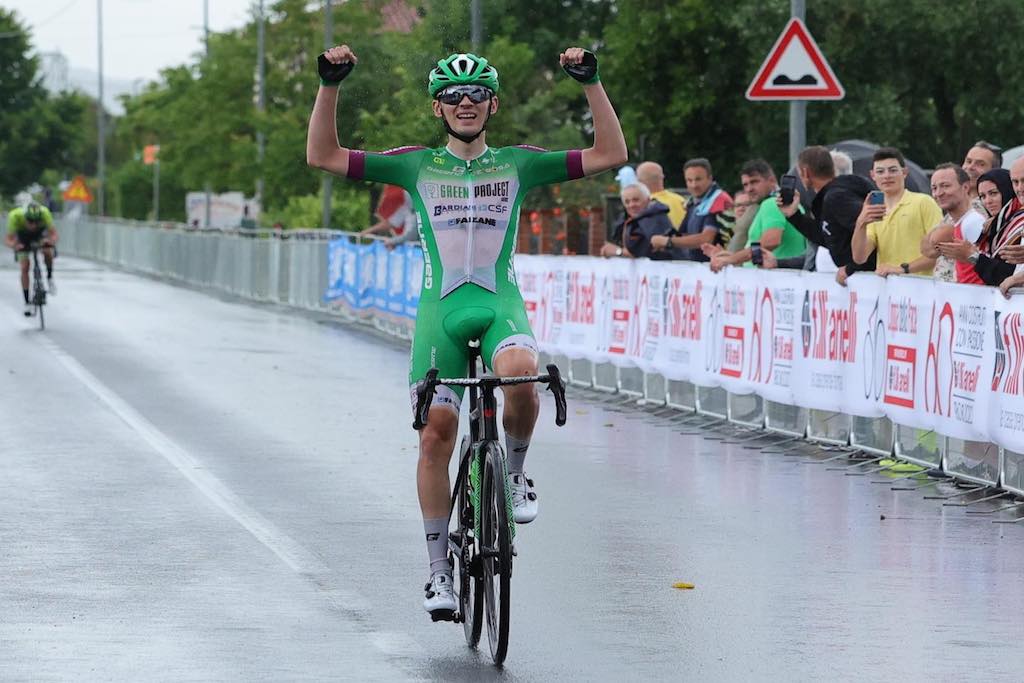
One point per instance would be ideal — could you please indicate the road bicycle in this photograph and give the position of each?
(38, 299)
(480, 543)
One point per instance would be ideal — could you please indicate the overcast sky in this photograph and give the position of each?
(140, 37)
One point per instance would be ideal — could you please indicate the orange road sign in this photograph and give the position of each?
(78, 191)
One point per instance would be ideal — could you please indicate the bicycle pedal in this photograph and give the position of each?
(442, 615)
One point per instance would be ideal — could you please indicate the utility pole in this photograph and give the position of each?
(797, 108)
(476, 26)
(326, 185)
(261, 102)
(156, 189)
(206, 46)
(101, 156)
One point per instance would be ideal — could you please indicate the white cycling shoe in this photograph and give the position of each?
(51, 286)
(440, 600)
(524, 498)
(28, 310)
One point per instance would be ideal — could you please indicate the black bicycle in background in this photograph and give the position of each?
(38, 296)
(480, 544)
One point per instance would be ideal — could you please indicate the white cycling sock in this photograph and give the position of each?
(437, 544)
(516, 449)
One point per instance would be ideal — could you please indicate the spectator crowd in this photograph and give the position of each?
(967, 230)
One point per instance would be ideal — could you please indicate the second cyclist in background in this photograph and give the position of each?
(27, 225)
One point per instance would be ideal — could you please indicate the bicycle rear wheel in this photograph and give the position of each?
(467, 564)
(495, 550)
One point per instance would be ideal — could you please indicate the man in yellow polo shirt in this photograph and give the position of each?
(653, 176)
(895, 228)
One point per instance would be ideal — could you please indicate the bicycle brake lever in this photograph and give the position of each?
(557, 387)
(424, 396)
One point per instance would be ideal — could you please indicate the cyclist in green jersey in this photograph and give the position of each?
(25, 225)
(467, 195)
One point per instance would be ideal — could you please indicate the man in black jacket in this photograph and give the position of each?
(837, 203)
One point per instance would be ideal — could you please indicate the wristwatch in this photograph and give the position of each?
(973, 258)
(905, 267)
(618, 251)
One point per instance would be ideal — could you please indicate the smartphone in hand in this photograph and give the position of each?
(756, 257)
(787, 186)
(876, 197)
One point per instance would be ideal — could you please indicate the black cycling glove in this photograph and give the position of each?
(586, 71)
(332, 74)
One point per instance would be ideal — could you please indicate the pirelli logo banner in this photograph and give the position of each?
(931, 355)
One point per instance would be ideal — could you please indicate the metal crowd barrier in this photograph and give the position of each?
(290, 268)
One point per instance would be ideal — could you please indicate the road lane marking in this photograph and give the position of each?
(298, 558)
(288, 550)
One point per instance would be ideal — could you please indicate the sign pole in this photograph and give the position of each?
(797, 108)
(156, 191)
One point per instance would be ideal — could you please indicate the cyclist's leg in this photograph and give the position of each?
(512, 350)
(432, 347)
(23, 264)
(48, 254)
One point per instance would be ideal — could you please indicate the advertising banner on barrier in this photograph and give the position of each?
(960, 350)
(616, 302)
(680, 353)
(866, 360)
(648, 325)
(551, 306)
(774, 330)
(826, 343)
(1006, 418)
(413, 279)
(335, 270)
(928, 355)
(907, 312)
(379, 283)
(707, 372)
(396, 281)
(529, 274)
(580, 334)
(737, 335)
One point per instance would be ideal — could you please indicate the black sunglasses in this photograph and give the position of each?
(476, 93)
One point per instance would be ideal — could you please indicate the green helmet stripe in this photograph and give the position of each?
(462, 69)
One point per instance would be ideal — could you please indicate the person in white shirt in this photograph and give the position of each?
(951, 189)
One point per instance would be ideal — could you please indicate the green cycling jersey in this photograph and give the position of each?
(469, 214)
(17, 223)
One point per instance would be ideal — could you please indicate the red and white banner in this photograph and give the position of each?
(1006, 414)
(928, 355)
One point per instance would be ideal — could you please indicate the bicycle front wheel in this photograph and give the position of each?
(464, 551)
(495, 550)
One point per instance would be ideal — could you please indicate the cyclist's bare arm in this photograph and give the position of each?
(609, 148)
(322, 148)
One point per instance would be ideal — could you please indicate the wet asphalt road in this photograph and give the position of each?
(199, 489)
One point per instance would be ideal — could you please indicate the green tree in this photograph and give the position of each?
(36, 132)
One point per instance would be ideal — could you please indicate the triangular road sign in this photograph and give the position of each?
(78, 191)
(795, 69)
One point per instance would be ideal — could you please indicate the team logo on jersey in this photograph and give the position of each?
(444, 191)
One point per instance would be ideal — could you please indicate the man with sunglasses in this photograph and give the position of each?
(468, 197)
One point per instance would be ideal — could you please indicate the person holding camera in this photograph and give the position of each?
(771, 241)
(837, 203)
(894, 220)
